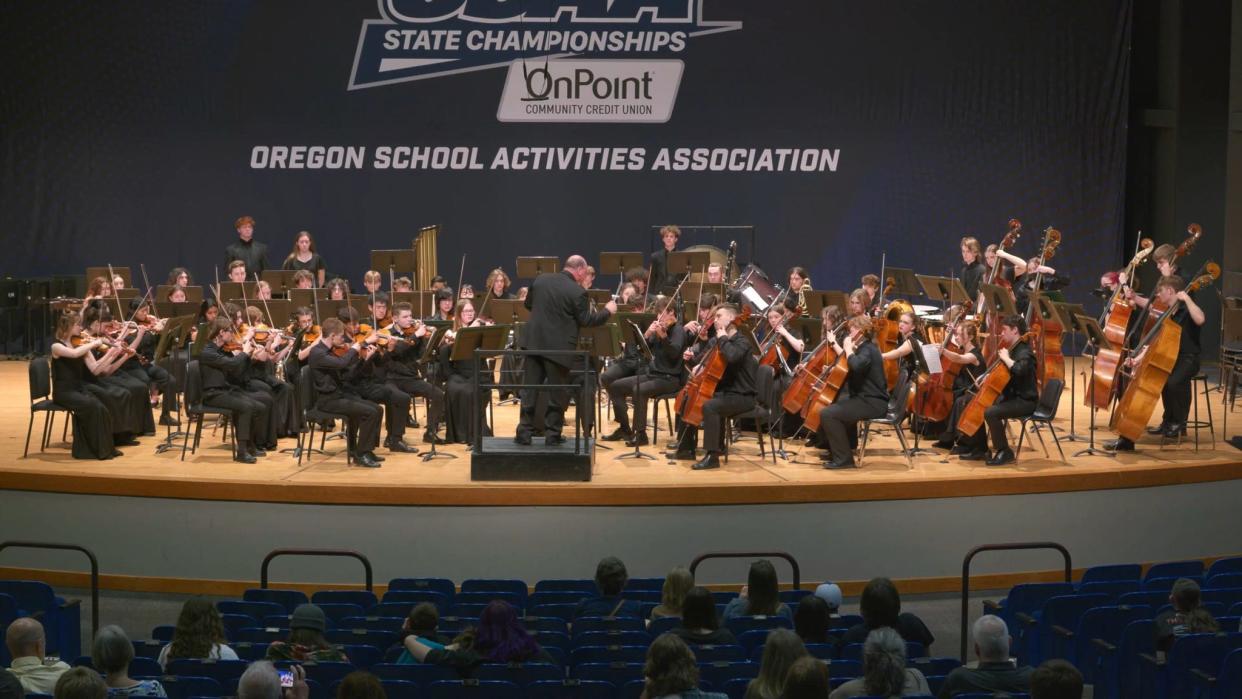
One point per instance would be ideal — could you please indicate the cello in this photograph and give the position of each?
(827, 386)
(1149, 376)
(807, 374)
(992, 341)
(1046, 332)
(703, 381)
(934, 397)
(990, 386)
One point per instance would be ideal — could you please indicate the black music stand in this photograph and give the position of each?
(531, 267)
(193, 294)
(429, 355)
(640, 341)
(1095, 338)
(920, 366)
(619, 263)
(200, 339)
(281, 280)
(817, 301)
(102, 271)
(233, 290)
(997, 300)
(946, 290)
(394, 261)
(167, 309)
(809, 327)
(602, 341)
(306, 297)
(599, 296)
(691, 292)
(905, 283)
(467, 340)
(176, 330)
(682, 262)
(509, 311)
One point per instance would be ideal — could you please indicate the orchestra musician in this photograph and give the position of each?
(790, 349)
(262, 291)
(971, 359)
(466, 292)
(661, 282)
(1017, 400)
(175, 294)
(443, 309)
(991, 258)
(303, 257)
(638, 278)
(403, 370)
(159, 380)
(226, 385)
(799, 284)
(338, 290)
(735, 391)
(702, 328)
(250, 252)
(367, 378)
(1176, 394)
(179, 276)
(402, 284)
(498, 284)
(871, 284)
(237, 271)
(858, 303)
(715, 273)
(303, 279)
(661, 376)
(99, 288)
(868, 394)
(973, 269)
(285, 418)
(372, 281)
(437, 283)
(377, 306)
(335, 395)
(98, 409)
(459, 382)
(98, 321)
(910, 336)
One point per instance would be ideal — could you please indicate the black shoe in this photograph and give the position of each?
(840, 464)
(523, 439)
(975, 455)
(681, 455)
(410, 421)
(244, 457)
(552, 440)
(169, 421)
(402, 447)
(256, 452)
(537, 433)
(959, 449)
(1175, 431)
(941, 444)
(618, 435)
(115, 454)
(710, 460)
(373, 455)
(639, 439)
(367, 460)
(1159, 429)
(433, 438)
(131, 442)
(1002, 457)
(1119, 444)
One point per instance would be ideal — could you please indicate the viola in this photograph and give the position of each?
(702, 384)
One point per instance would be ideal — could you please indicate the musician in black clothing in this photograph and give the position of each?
(245, 248)
(662, 375)
(403, 370)
(970, 357)
(1177, 395)
(735, 391)
(225, 378)
(660, 278)
(369, 379)
(1016, 401)
(868, 394)
(973, 270)
(558, 307)
(336, 396)
(157, 377)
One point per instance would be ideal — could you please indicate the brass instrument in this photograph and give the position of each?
(425, 256)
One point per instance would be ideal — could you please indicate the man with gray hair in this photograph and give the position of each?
(28, 646)
(261, 680)
(995, 672)
(558, 306)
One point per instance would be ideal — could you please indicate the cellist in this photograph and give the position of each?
(910, 334)
(971, 359)
(1018, 399)
(735, 392)
(868, 394)
(1176, 394)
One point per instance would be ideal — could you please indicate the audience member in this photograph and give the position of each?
(995, 672)
(760, 596)
(881, 606)
(676, 585)
(360, 685)
(80, 683)
(812, 619)
(422, 621)
(1056, 679)
(306, 641)
(199, 634)
(780, 650)
(1186, 616)
(610, 579)
(884, 670)
(111, 654)
(671, 671)
(11, 687)
(699, 625)
(830, 593)
(28, 647)
(807, 679)
(261, 680)
(499, 638)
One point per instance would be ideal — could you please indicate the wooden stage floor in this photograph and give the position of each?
(408, 480)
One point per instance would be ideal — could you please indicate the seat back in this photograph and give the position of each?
(488, 585)
(1105, 573)
(765, 380)
(40, 379)
(899, 402)
(1226, 565)
(1175, 569)
(1224, 580)
(582, 585)
(442, 585)
(193, 385)
(1029, 598)
(416, 597)
(1064, 611)
(1105, 623)
(362, 598)
(289, 599)
(1049, 399)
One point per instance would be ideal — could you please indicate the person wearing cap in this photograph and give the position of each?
(306, 641)
(1186, 616)
(830, 593)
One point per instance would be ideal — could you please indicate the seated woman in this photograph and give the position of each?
(95, 431)
(677, 583)
(111, 654)
(199, 635)
(760, 596)
(499, 638)
(780, 650)
(884, 670)
(306, 641)
(812, 620)
(671, 671)
(699, 625)
(459, 381)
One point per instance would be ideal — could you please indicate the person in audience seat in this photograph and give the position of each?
(760, 596)
(199, 635)
(1056, 679)
(1186, 616)
(995, 673)
(28, 647)
(80, 683)
(423, 621)
(812, 619)
(11, 687)
(361, 685)
(780, 650)
(610, 579)
(881, 606)
(671, 671)
(306, 641)
(499, 638)
(676, 584)
(111, 654)
(807, 679)
(884, 670)
(699, 624)
(262, 681)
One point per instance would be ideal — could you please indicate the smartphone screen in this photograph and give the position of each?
(286, 678)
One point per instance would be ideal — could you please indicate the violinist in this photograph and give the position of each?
(99, 288)
(498, 284)
(700, 330)
(660, 279)
(735, 391)
(624, 367)
(268, 350)
(118, 283)
(871, 284)
(304, 258)
(225, 385)
(971, 359)
(179, 276)
(1016, 401)
(443, 304)
(661, 376)
(303, 330)
(1176, 394)
(175, 294)
(402, 284)
(973, 269)
(868, 394)
(368, 379)
(303, 279)
(378, 308)
(143, 364)
(335, 395)
(459, 381)
(97, 408)
(208, 311)
(97, 319)
(262, 291)
(338, 290)
(237, 271)
(403, 369)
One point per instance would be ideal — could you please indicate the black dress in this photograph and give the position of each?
(313, 265)
(458, 379)
(92, 404)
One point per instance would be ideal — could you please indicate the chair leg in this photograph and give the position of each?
(1056, 439)
(302, 435)
(49, 426)
(1021, 437)
(185, 440)
(1207, 400)
(64, 432)
(905, 449)
(198, 434)
(862, 446)
(1042, 443)
(29, 431)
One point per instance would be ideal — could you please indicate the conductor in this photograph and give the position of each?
(558, 306)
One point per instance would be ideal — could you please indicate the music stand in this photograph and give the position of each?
(531, 267)
(328, 309)
(602, 341)
(430, 350)
(467, 340)
(685, 262)
(509, 311)
(619, 263)
(920, 366)
(810, 327)
(173, 336)
(636, 336)
(360, 302)
(946, 290)
(126, 294)
(233, 290)
(200, 340)
(905, 282)
(394, 261)
(997, 300)
(1095, 337)
(193, 294)
(281, 310)
(167, 309)
(281, 280)
(599, 296)
(102, 271)
(691, 292)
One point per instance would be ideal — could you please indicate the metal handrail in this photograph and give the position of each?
(69, 547)
(793, 562)
(1019, 546)
(366, 562)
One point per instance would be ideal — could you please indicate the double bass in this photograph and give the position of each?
(1046, 332)
(1117, 320)
(992, 341)
(1118, 310)
(1155, 309)
(1149, 376)
(703, 381)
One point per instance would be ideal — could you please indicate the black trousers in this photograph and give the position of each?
(1005, 410)
(418, 388)
(538, 371)
(715, 410)
(252, 412)
(950, 424)
(838, 423)
(642, 388)
(1178, 395)
(620, 369)
(364, 418)
(282, 421)
(163, 380)
(396, 406)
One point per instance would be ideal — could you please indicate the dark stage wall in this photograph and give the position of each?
(130, 129)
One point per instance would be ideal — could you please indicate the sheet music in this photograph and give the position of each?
(931, 356)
